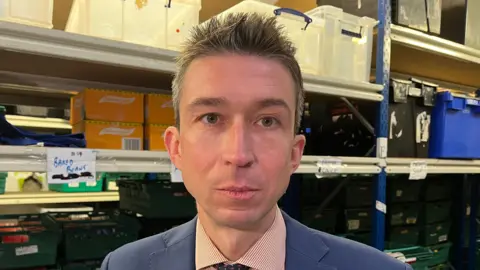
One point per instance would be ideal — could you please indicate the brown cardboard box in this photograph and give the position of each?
(159, 109)
(154, 135)
(107, 105)
(111, 135)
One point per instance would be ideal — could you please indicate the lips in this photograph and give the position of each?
(238, 192)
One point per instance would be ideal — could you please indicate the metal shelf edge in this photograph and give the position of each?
(434, 44)
(56, 43)
(38, 122)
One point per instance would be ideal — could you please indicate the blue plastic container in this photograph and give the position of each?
(455, 127)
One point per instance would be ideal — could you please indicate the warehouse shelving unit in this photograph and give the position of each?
(62, 58)
(399, 50)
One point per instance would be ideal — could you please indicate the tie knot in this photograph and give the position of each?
(224, 266)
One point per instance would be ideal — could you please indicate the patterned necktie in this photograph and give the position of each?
(224, 266)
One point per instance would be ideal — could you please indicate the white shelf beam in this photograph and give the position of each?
(60, 44)
(342, 88)
(349, 165)
(38, 122)
(18, 158)
(16, 198)
(434, 166)
(434, 44)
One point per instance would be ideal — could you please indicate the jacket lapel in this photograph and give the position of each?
(305, 249)
(179, 253)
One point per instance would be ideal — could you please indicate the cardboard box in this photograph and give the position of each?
(107, 105)
(111, 135)
(159, 109)
(154, 135)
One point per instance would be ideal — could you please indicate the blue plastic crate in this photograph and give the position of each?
(455, 127)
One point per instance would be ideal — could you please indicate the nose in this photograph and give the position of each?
(237, 145)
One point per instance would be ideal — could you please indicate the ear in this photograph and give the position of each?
(172, 142)
(297, 152)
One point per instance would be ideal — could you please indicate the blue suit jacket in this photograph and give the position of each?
(307, 249)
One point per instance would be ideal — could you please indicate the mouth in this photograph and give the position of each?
(238, 193)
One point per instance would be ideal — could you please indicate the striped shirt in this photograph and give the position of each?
(268, 253)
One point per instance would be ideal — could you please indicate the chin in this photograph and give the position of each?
(239, 218)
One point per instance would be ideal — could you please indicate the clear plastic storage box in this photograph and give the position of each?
(156, 23)
(35, 13)
(297, 25)
(345, 44)
(329, 41)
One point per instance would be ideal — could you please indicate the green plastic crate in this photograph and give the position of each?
(92, 235)
(438, 187)
(358, 219)
(3, 182)
(110, 179)
(92, 186)
(28, 241)
(434, 212)
(325, 221)
(87, 265)
(434, 234)
(364, 237)
(399, 237)
(441, 254)
(156, 199)
(401, 190)
(421, 255)
(359, 193)
(403, 214)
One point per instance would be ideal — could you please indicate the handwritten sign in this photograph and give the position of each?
(329, 165)
(66, 166)
(418, 170)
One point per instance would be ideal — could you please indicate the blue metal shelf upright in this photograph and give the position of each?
(381, 126)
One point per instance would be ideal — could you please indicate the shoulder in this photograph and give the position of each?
(134, 255)
(137, 255)
(345, 254)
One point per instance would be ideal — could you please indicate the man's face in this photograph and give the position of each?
(236, 146)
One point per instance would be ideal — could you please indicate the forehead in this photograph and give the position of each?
(238, 78)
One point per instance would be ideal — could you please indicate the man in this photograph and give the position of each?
(238, 98)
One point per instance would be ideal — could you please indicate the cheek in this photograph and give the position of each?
(274, 159)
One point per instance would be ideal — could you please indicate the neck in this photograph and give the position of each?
(233, 243)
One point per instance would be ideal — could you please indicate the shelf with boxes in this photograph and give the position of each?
(106, 60)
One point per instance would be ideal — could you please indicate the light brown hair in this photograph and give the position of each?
(240, 33)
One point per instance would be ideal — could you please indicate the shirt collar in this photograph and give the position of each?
(268, 253)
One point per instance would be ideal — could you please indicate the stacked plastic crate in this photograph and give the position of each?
(420, 215)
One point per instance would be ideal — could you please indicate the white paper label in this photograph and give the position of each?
(382, 147)
(70, 165)
(20, 251)
(91, 183)
(112, 186)
(354, 224)
(418, 170)
(176, 174)
(442, 238)
(329, 166)
(380, 206)
(73, 184)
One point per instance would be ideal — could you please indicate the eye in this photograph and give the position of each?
(210, 119)
(268, 122)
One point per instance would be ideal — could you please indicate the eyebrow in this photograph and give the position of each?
(207, 102)
(220, 101)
